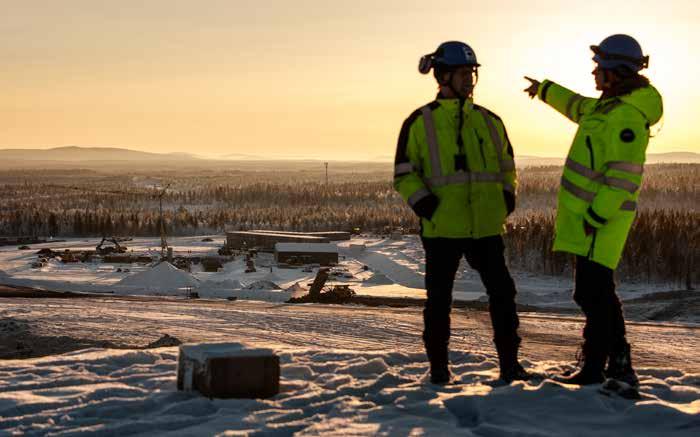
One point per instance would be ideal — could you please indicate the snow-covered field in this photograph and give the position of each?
(331, 392)
(346, 370)
(396, 269)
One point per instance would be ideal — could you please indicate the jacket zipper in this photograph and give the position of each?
(462, 149)
(590, 151)
(595, 232)
(481, 148)
(469, 188)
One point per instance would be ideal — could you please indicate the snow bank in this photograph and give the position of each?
(204, 351)
(297, 289)
(263, 285)
(163, 277)
(262, 295)
(232, 284)
(118, 392)
(378, 279)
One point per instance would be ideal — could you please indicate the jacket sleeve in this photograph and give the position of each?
(408, 179)
(626, 138)
(565, 101)
(510, 180)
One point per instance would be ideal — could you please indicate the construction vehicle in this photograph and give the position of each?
(322, 293)
(319, 282)
(101, 249)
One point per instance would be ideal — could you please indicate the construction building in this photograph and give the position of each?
(266, 240)
(330, 235)
(324, 254)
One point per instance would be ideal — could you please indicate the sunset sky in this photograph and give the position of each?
(312, 78)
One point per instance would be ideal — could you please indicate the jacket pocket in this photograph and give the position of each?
(570, 228)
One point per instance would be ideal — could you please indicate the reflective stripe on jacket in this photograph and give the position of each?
(603, 170)
(455, 203)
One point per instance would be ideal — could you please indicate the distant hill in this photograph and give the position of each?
(242, 156)
(652, 158)
(528, 161)
(678, 157)
(82, 154)
(99, 157)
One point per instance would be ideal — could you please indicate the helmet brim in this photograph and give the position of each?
(609, 61)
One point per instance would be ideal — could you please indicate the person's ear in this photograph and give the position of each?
(610, 77)
(443, 78)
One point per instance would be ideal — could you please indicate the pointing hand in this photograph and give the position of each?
(534, 86)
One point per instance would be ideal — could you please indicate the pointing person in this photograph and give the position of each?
(598, 194)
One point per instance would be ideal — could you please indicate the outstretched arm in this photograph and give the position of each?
(565, 101)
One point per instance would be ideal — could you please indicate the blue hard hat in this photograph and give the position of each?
(454, 54)
(449, 54)
(620, 51)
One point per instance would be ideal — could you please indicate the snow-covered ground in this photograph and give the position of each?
(345, 371)
(395, 269)
(331, 392)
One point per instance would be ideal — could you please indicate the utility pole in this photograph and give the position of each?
(326, 164)
(163, 242)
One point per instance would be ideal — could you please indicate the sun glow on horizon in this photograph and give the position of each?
(312, 78)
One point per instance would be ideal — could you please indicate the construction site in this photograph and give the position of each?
(265, 264)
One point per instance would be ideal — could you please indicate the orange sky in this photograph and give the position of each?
(324, 79)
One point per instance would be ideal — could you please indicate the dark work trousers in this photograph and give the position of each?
(485, 255)
(604, 331)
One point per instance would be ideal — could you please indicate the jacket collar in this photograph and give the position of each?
(452, 104)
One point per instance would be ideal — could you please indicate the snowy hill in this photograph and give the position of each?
(164, 277)
(82, 154)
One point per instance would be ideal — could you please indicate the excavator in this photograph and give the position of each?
(101, 249)
(322, 293)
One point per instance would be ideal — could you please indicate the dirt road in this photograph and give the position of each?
(35, 327)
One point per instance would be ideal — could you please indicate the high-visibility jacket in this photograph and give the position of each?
(454, 201)
(603, 170)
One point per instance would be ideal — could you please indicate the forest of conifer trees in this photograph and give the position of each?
(62, 203)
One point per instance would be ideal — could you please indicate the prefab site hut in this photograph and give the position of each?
(325, 254)
(266, 240)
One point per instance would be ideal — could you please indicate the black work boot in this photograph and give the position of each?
(620, 365)
(591, 370)
(586, 375)
(510, 368)
(440, 374)
(439, 365)
(514, 372)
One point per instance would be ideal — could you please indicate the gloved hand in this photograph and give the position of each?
(510, 202)
(587, 228)
(533, 88)
(426, 206)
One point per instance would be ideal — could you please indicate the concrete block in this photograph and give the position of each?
(228, 370)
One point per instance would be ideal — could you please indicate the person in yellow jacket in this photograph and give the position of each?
(598, 194)
(454, 166)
